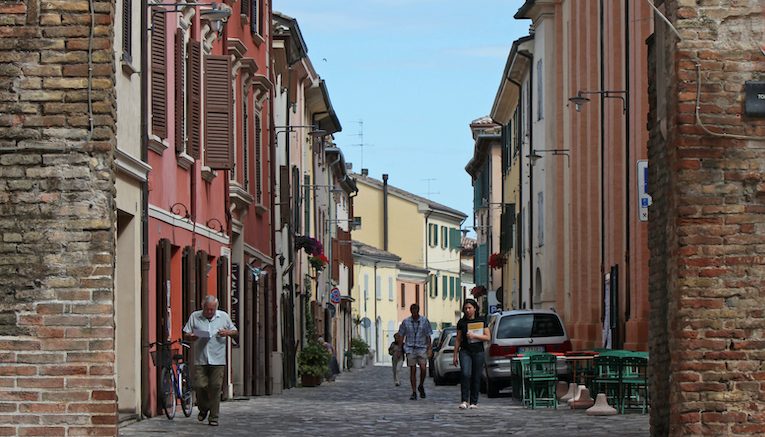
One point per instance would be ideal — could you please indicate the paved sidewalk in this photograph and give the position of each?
(366, 403)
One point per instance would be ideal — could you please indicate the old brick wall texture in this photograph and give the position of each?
(707, 228)
(56, 218)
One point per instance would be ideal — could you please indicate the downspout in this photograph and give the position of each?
(520, 206)
(531, 180)
(627, 167)
(331, 221)
(426, 293)
(377, 327)
(385, 212)
(145, 262)
(602, 164)
(272, 197)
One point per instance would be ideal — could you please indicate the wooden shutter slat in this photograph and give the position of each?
(254, 16)
(179, 92)
(158, 74)
(246, 8)
(218, 102)
(194, 100)
(258, 163)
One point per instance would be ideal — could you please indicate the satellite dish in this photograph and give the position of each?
(365, 322)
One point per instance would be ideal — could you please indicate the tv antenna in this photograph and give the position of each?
(428, 192)
(361, 143)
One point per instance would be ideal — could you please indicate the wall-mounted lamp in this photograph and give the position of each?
(257, 273)
(217, 16)
(579, 99)
(215, 225)
(180, 209)
(535, 154)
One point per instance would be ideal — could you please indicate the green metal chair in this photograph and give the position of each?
(541, 379)
(634, 383)
(607, 377)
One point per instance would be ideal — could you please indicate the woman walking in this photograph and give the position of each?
(472, 331)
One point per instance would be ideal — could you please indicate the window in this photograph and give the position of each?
(403, 296)
(432, 235)
(541, 219)
(366, 286)
(446, 287)
(451, 288)
(507, 232)
(416, 294)
(530, 326)
(180, 92)
(444, 236)
(434, 285)
(378, 288)
(540, 89)
(390, 289)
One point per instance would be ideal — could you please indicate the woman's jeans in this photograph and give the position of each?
(471, 367)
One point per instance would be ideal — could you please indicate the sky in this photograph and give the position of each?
(410, 75)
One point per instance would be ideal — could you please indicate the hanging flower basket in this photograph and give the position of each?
(478, 291)
(318, 261)
(311, 245)
(497, 261)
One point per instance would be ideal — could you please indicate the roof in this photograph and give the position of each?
(468, 243)
(403, 193)
(364, 249)
(412, 268)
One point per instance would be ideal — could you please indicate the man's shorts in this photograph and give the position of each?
(417, 356)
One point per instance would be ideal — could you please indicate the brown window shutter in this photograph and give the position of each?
(189, 282)
(284, 194)
(179, 92)
(158, 74)
(194, 99)
(201, 276)
(221, 281)
(246, 7)
(258, 161)
(218, 101)
(127, 30)
(335, 259)
(254, 16)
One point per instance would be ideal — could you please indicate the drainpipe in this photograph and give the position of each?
(602, 164)
(385, 212)
(330, 211)
(426, 294)
(531, 179)
(145, 262)
(377, 327)
(627, 167)
(520, 207)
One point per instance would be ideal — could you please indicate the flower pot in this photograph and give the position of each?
(310, 380)
(358, 361)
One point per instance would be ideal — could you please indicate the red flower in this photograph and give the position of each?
(496, 260)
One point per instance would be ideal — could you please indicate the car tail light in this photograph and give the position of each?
(500, 351)
(560, 347)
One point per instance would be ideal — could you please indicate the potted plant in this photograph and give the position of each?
(497, 260)
(359, 349)
(318, 261)
(313, 361)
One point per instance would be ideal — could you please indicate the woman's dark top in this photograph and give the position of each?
(462, 327)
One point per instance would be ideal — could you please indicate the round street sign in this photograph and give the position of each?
(334, 296)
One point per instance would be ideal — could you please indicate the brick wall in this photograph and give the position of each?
(56, 219)
(707, 268)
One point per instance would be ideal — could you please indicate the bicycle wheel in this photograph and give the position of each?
(184, 381)
(167, 392)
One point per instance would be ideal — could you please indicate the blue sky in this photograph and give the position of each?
(417, 72)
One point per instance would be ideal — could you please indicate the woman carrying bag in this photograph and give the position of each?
(472, 331)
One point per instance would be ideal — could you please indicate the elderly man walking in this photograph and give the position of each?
(208, 329)
(414, 333)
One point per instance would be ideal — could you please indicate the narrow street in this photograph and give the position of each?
(365, 402)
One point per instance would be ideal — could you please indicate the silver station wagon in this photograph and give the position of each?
(518, 331)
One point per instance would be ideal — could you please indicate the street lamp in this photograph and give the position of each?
(580, 98)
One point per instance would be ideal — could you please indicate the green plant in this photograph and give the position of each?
(313, 359)
(359, 346)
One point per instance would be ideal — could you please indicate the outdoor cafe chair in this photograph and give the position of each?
(634, 383)
(541, 380)
(607, 377)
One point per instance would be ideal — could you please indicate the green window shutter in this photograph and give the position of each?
(458, 288)
(446, 285)
(435, 235)
(451, 288)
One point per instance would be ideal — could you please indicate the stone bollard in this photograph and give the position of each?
(583, 401)
(601, 407)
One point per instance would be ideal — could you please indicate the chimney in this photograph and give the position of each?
(385, 211)
(365, 172)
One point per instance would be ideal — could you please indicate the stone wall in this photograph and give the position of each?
(56, 218)
(707, 268)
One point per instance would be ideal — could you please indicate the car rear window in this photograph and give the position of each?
(529, 325)
(452, 340)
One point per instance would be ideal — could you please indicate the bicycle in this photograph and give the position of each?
(174, 379)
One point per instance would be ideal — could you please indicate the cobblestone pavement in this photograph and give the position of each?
(366, 403)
